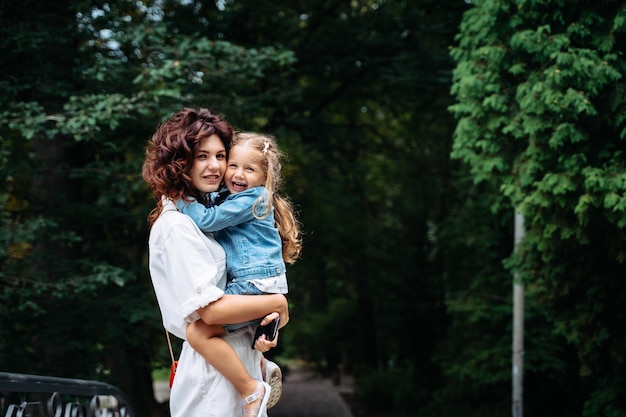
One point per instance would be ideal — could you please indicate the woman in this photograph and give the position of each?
(187, 157)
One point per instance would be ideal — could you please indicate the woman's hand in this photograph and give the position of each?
(263, 345)
(269, 318)
(267, 332)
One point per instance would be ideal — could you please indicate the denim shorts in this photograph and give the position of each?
(242, 288)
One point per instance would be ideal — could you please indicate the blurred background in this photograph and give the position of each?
(415, 131)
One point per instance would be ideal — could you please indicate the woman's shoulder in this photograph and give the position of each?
(177, 230)
(172, 220)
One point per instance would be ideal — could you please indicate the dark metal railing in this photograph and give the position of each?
(23, 395)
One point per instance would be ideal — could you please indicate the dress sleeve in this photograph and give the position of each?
(196, 267)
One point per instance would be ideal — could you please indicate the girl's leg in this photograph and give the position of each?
(207, 341)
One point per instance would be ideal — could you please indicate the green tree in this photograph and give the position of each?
(357, 94)
(540, 108)
(78, 105)
(368, 128)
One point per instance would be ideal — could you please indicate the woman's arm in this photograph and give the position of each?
(240, 308)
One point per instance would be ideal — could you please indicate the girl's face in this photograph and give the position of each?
(244, 169)
(209, 165)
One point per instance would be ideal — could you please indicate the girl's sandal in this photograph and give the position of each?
(262, 392)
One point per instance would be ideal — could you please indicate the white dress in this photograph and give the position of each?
(188, 271)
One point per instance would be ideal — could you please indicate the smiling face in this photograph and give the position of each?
(245, 168)
(209, 165)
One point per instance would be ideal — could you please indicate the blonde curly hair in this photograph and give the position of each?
(284, 215)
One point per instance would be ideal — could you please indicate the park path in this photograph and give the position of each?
(307, 395)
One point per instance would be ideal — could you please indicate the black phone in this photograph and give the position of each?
(269, 330)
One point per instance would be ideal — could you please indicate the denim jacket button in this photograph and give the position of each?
(278, 270)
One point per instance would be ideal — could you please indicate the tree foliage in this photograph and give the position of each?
(363, 120)
(74, 125)
(540, 109)
(401, 241)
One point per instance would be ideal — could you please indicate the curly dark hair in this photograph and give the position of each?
(171, 151)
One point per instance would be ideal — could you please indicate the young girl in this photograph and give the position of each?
(259, 232)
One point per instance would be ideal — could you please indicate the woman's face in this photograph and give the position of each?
(209, 165)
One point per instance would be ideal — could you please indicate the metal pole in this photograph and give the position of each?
(518, 326)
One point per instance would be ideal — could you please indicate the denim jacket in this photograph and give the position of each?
(253, 246)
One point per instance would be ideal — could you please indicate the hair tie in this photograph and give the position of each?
(266, 147)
